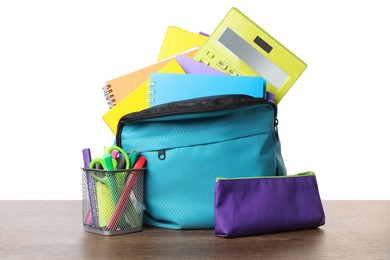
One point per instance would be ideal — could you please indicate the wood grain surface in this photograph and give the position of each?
(54, 230)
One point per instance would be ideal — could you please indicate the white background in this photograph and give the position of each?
(55, 56)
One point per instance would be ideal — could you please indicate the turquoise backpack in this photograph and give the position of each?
(188, 144)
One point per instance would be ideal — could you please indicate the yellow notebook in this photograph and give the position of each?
(177, 40)
(138, 99)
(118, 88)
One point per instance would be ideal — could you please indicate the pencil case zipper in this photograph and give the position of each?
(303, 174)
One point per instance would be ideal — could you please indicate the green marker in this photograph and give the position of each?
(112, 184)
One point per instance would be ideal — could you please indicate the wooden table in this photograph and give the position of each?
(53, 230)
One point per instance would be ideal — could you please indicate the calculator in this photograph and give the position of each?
(239, 47)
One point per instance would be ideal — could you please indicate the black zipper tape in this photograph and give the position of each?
(191, 106)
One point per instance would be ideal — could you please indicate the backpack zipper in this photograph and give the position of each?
(192, 106)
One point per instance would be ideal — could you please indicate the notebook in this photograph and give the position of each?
(191, 66)
(165, 87)
(118, 88)
(177, 40)
(136, 100)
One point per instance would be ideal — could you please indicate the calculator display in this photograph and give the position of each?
(252, 57)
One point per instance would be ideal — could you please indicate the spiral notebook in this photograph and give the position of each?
(170, 87)
(118, 88)
(139, 98)
(136, 100)
(176, 41)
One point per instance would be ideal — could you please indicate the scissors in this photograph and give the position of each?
(119, 162)
(99, 162)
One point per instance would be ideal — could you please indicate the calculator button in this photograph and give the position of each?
(210, 54)
(222, 65)
(233, 72)
(204, 61)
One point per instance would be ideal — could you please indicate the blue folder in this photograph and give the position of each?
(170, 87)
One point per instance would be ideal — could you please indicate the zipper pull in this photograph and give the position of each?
(161, 154)
(276, 127)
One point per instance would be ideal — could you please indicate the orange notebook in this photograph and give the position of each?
(118, 88)
(137, 100)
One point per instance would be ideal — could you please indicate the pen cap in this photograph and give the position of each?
(140, 162)
(114, 154)
(86, 157)
(121, 162)
(107, 158)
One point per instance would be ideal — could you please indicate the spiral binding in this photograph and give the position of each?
(151, 92)
(110, 98)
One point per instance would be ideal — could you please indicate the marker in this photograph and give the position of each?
(111, 179)
(133, 157)
(92, 216)
(121, 163)
(125, 196)
(134, 154)
(114, 154)
(112, 182)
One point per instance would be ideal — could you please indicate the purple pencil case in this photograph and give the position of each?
(269, 204)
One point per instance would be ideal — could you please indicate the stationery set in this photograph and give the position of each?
(203, 122)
